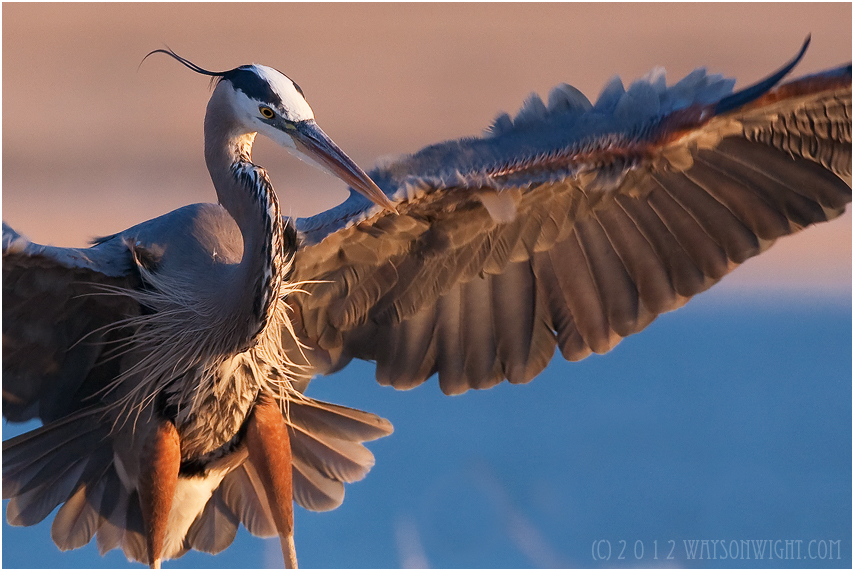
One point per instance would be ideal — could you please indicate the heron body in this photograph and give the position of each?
(200, 344)
(168, 362)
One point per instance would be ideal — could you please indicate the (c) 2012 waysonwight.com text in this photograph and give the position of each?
(716, 549)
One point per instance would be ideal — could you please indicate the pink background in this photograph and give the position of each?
(93, 145)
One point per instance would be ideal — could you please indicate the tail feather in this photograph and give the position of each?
(123, 527)
(338, 459)
(315, 491)
(326, 441)
(77, 521)
(327, 452)
(113, 504)
(243, 493)
(53, 466)
(337, 421)
(70, 462)
(34, 505)
(133, 538)
(214, 529)
(42, 468)
(26, 455)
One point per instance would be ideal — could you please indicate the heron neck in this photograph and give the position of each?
(225, 154)
(244, 190)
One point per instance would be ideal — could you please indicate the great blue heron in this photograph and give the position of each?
(168, 361)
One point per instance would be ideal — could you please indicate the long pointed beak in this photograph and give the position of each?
(314, 143)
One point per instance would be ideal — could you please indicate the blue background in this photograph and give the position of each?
(729, 419)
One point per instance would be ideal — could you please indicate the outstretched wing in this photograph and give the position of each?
(54, 319)
(572, 225)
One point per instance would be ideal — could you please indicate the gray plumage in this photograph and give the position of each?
(571, 225)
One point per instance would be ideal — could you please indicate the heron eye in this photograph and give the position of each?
(266, 112)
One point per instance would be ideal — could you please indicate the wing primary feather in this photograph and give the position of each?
(623, 210)
(386, 342)
(31, 507)
(789, 205)
(802, 176)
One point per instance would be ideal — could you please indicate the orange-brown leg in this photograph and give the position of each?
(270, 452)
(159, 465)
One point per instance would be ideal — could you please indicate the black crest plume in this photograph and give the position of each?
(215, 76)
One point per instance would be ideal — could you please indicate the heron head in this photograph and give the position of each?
(265, 100)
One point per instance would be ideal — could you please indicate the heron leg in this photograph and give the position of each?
(159, 466)
(269, 450)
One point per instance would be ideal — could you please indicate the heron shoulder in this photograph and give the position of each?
(195, 238)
